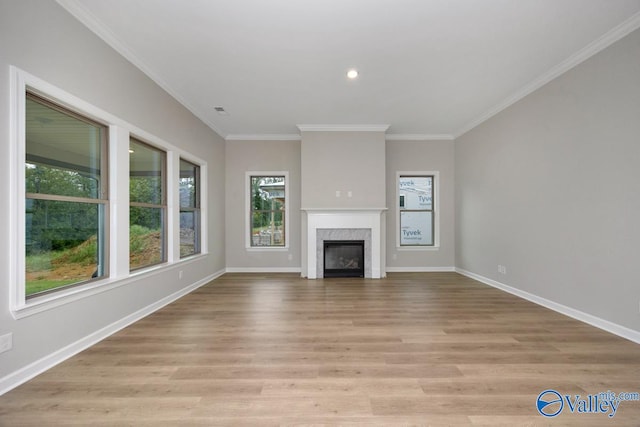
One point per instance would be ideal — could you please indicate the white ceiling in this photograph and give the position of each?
(428, 68)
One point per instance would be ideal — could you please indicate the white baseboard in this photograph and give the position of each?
(23, 375)
(263, 270)
(614, 328)
(420, 269)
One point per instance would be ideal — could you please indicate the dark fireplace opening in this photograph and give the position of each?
(344, 258)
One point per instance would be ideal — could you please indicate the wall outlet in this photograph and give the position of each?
(502, 269)
(6, 342)
(337, 193)
(180, 274)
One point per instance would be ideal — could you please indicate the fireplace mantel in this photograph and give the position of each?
(345, 218)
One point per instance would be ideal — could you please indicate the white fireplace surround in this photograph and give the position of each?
(336, 219)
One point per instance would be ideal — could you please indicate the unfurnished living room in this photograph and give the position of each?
(320, 212)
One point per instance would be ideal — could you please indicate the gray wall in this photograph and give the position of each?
(343, 161)
(265, 156)
(550, 188)
(41, 38)
(416, 156)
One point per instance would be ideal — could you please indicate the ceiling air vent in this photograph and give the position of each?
(221, 111)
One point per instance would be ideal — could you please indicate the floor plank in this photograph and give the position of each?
(275, 349)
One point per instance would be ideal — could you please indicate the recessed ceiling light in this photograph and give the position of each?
(352, 74)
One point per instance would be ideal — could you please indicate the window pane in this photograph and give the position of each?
(63, 244)
(146, 171)
(267, 228)
(189, 225)
(189, 185)
(63, 153)
(416, 228)
(146, 236)
(416, 192)
(189, 190)
(267, 210)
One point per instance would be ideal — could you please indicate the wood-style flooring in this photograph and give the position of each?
(261, 350)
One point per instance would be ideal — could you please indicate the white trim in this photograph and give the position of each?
(22, 79)
(417, 248)
(17, 152)
(23, 375)
(247, 210)
(345, 218)
(66, 296)
(204, 209)
(597, 322)
(263, 270)
(119, 163)
(419, 137)
(82, 14)
(267, 249)
(118, 195)
(343, 128)
(339, 210)
(263, 137)
(298, 137)
(420, 269)
(436, 206)
(606, 40)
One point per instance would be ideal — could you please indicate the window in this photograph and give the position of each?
(189, 188)
(416, 210)
(267, 217)
(147, 206)
(71, 235)
(66, 198)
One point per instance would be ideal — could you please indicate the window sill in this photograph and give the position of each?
(267, 248)
(417, 248)
(57, 299)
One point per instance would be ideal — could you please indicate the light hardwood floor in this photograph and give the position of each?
(260, 350)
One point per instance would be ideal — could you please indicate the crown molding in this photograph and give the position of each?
(629, 25)
(419, 137)
(343, 128)
(82, 14)
(263, 137)
(297, 137)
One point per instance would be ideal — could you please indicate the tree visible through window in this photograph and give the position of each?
(147, 210)
(65, 198)
(267, 216)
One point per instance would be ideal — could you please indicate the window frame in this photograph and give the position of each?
(249, 210)
(162, 206)
(119, 133)
(101, 201)
(435, 218)
(197, 209)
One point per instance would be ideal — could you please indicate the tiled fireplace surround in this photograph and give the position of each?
(345, 224)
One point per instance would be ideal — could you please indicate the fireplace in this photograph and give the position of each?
(343, 224)
(343, 258)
